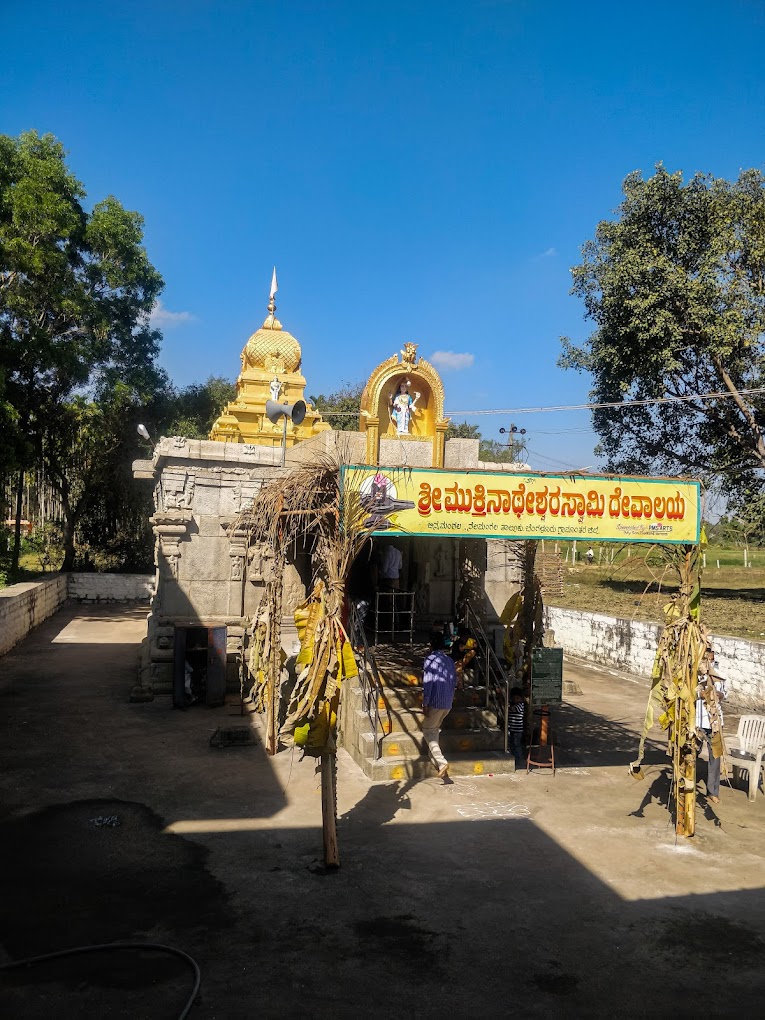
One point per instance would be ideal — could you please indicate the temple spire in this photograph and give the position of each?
(271, 321)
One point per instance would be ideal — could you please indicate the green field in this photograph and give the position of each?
(636, 584)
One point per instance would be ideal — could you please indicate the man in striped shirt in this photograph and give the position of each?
(439, 678)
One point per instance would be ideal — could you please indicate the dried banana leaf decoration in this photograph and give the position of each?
(677, 678)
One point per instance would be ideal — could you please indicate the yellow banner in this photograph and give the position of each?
(495, 504)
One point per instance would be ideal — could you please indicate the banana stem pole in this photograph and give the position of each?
(329, 811)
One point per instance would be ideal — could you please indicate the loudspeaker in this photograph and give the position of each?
(294, 411)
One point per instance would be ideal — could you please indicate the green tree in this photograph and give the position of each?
(340, 409)
(87, 458)
(76, 290)
(675, 285)
(192, 410)
(496, 452)
(461, 430)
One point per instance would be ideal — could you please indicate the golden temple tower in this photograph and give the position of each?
(270, 371)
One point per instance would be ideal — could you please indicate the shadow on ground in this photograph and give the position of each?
(452, 901)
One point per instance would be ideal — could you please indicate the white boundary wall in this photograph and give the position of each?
(630, 645)
(110, 587)
(24, 606)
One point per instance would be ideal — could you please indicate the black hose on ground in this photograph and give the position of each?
(120, 945)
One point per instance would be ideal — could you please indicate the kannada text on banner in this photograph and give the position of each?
(488, 504)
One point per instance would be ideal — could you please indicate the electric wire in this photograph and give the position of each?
(151, 946)
(719, 395)
(533, 455)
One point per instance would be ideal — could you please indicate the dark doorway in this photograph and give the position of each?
(199, 673)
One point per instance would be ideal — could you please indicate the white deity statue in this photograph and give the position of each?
(402, 407)
(275, 387)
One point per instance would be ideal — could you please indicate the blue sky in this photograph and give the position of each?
(422, 171)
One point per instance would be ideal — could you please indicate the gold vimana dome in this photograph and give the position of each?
(273, 347)
(270, 371)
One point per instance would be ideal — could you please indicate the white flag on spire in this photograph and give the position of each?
(274, 286)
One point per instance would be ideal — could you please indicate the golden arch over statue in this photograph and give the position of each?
(404, 398)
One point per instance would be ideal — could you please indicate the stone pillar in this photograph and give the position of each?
(238, 575)
(439, 442)
(373, 440)
(169, 527)
(236, 580)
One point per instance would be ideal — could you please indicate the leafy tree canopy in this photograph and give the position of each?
(462, 430)
(675, 285)
(340, 409)
(89, 456)
(192, 410)
(77, 287)
(496, 452)
(76, 291)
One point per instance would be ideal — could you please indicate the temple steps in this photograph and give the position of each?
(410, 719)
(412, 744)
(470, 738)
(409, 697)
(487, 764)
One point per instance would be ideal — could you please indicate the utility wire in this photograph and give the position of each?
(721, 395)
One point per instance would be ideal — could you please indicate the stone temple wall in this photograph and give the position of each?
(206, 574)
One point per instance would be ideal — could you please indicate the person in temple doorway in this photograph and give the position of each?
(389, 569)
(439, 679)
(389, 580)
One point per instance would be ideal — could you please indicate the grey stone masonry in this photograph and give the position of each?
(206, 573)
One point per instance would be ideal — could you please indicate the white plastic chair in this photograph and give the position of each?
(746, 750)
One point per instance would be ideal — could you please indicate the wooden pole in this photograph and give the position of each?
(329, 811)
(544, 726)
(275, 663)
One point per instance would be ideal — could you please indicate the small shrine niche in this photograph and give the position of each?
(404, 399)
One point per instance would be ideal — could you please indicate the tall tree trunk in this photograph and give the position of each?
(68, 535)
(17, 524)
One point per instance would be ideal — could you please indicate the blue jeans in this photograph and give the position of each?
(515, 746)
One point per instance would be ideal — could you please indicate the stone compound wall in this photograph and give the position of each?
(630, 645)
(24, 606)
(110, 587)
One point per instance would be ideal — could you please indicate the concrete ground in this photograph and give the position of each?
(531, 895)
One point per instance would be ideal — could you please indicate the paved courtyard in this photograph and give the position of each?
(532, 895)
